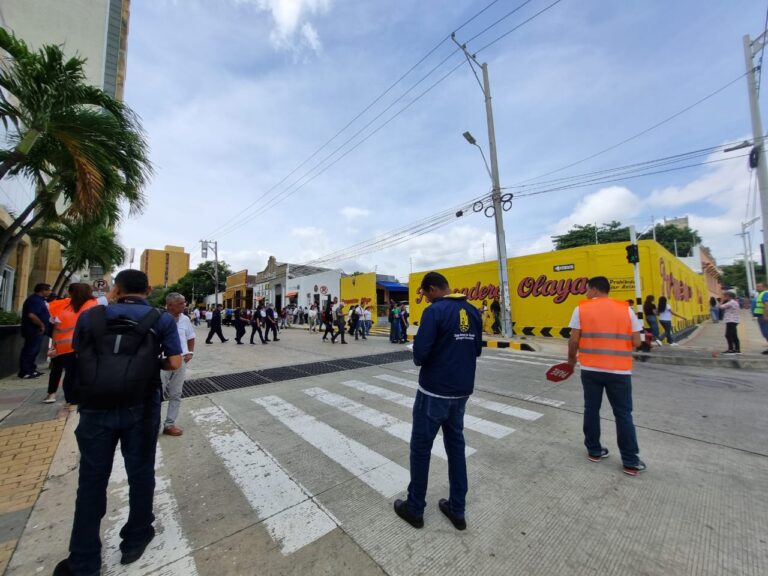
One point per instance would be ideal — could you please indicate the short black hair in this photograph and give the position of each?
(434, 279)
(600, 283)
(132, 282)
(41, 287)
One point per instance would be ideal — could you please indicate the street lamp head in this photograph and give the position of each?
(469, 138)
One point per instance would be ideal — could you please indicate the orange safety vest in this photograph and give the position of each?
(605, 342)
(64, 329)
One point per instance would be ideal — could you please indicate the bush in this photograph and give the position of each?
(9, 318)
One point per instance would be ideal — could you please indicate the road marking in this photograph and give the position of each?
(380, 473)
(487, 404)
(411, 371)
(290, 514)
(169, 553)
(386, 422)
(472, 422)
(485, 360)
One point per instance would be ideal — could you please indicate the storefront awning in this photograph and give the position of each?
(292, 294)
(392, 286)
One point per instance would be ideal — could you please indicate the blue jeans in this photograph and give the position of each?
(763, 324)
(29, 352)
(667, 324)
(395, 334)
(653, 323)
(430, 414)
(618, 388)
(97, 435)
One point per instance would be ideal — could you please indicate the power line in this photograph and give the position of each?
(243, 218)
(361, 113)
(641, 133)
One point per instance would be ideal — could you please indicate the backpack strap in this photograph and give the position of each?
(98, 318)
(138, 332)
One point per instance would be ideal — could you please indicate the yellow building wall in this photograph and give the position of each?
(359, 289)
(545, 288)
(153, 264)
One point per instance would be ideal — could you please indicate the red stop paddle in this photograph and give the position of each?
(559, 372)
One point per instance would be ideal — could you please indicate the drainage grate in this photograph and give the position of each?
(199, 387)
(212, 384)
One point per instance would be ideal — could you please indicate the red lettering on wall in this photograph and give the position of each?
(671, 287)
(476, 292)
(558, 289)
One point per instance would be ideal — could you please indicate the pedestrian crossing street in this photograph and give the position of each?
(290, 513)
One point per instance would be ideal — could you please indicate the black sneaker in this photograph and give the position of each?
(458, 523)
(764, 352)
(636, 469)
(63, 569)
(401, 509)
(598, 457)
(131, 556)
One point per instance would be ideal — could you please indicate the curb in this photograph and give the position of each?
(739, 363)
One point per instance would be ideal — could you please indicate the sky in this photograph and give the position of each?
(235, 95)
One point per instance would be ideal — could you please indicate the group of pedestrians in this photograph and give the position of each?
(661, 314)
(264, 320)
(398, 322)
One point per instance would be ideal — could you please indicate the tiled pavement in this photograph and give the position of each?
(26, 452)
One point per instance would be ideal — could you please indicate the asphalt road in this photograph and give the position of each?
(298, 477)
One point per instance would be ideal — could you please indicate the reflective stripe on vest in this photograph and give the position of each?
(760, 304)
(605, 342)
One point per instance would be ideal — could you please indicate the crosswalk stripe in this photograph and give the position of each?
(386, 422)
(513, 360)
(411, 371)
(290, 514)
(475, 401)
(472, 422)
(380, 473)
(169, 553)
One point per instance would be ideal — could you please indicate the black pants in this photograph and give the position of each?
(328, 330)
(254, 329)
(239, 331)
(732, 337)
(342, 327)
(271, 327)
(66, 363)
(29, 352)
(215, 330)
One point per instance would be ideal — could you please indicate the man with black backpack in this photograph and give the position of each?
(120, 349)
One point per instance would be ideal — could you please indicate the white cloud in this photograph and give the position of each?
(352, 213)
(607, 204)
(290, 18)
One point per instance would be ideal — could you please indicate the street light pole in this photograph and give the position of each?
(751, 48)
(205, 244)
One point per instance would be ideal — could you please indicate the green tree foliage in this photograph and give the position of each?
(69, 139)
(735, 275)
(666, 234)
(201, 281)
(591, 234)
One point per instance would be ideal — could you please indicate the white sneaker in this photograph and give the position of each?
(674, 344)
(659, 342)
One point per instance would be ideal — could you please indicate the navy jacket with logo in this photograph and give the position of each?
(449, 340)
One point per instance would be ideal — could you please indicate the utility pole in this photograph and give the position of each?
(751, 48)
(501, 242)
(751, 278)
(205, 244)
(638, 287)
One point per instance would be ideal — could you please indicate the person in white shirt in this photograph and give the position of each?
(208, 317)
(665, 317)
(367, 320)
(312, 325)
(173, 381)
(358, 321)
(196, 316)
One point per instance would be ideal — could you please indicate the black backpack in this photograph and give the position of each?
(118, 361)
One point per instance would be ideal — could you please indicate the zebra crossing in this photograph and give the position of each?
(290, 513)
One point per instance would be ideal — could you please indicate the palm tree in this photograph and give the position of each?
(84, 244)
(69, 139)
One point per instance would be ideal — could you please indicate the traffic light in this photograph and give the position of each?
(633, 255)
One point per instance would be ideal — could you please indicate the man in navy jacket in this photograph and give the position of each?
(447, 345)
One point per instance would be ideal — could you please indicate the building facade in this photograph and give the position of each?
(96, 30)
(166, 266)
(545, 288)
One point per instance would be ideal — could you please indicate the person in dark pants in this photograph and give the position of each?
(34, 323)
(603, 334)
(730, 308)
(327, 318)
(256, 322)
(341, 322)
(216, 326)
(271, 324)
(239, 325)
(449, 340)
(99, 431)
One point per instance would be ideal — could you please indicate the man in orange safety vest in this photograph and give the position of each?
(603, 334)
